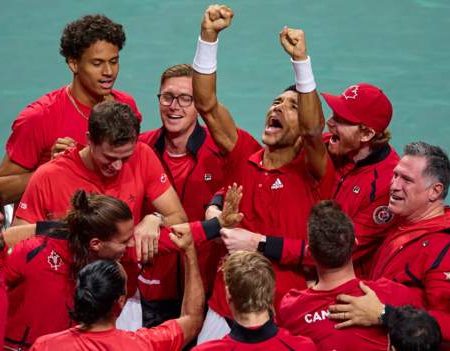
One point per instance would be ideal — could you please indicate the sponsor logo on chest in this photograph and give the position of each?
(277, 184)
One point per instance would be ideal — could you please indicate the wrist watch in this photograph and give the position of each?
(160, 216)
(262, 244)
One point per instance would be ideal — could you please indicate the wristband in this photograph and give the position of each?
(304, 77)
(205, 60)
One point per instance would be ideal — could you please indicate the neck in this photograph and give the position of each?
(276, 158)
(362, 154)
(434, 209)
(252, 319)
(176, 143)
(85, 155)
(330, 278)
(101, 325)
(80, 94)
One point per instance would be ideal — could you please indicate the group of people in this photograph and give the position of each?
(310, 241)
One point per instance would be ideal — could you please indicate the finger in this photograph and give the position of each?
(146, 249)
(345, 324)
(339, 308)
(224, 232)
(155, 246)
(345, 298)
(138, 243)
(365, 288)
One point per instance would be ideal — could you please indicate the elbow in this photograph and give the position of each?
(205, 107)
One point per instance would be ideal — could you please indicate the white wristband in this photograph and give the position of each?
(205, 60)
(304, 77)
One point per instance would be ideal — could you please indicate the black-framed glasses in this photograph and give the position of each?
(184, 100)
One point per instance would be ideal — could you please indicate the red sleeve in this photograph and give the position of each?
(245, 146)
(326, 184)
(396, 294)
(156, 180)
(437, 280)
(32, 204)
(167, 336)
(131, 267)
(26, 142)
(15, 264)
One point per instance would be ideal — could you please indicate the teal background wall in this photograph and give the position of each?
(400, 45)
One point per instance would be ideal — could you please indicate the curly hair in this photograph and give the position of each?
(78, 35)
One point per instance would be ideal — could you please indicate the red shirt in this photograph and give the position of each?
(3, 299)
(306, 313)
(418, 255)
(362, 190)
(266, 338)
(167, 336)
(275, 202)
(51, 187)
(196, 177)
(52, 116)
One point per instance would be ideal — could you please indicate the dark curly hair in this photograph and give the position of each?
(331, 235)
(82, 33)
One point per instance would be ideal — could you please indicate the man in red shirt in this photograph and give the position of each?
(331, 239)
(90, 46)
(281, 181)
(101, 293)
(195, 166)
(416, 251)
(113, 163)
(250, 286)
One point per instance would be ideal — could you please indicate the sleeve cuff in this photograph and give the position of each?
(274, 248)
(211, 228)
(217, 200)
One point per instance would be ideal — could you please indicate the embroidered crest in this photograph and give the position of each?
(208, 177)
(23, 205)
(277, 184)
(447, 275)
(382, 215)
(356, 189)
(351, 92)
(163, 178)
(54, 260)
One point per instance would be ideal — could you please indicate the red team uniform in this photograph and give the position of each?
(417, 255)
(3, 299)
(196, 176)
(52, 116)
(275, 202)
(306, 312)
(51, 187)
(167, 336)
(362, 190)
(268, 337)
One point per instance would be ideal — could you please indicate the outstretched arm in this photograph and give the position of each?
(310, 114)
(216, 116)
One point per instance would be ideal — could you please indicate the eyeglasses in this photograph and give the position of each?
(184, 100)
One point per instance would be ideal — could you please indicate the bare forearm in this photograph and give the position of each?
(16, 234)
(12, 187)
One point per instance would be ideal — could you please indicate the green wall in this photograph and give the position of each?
(400, 45)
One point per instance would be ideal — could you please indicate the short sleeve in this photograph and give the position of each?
(167, 336)
(155, 178)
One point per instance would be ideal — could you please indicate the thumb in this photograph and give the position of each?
(365, 288)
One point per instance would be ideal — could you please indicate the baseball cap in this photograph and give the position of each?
(362, 103)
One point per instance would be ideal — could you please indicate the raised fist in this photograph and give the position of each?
(215, 19)
(294, 43)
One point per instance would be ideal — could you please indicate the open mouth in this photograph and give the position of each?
(395, 197)
(174, 117)
(107, 83)
(273, 125)
(334, 139)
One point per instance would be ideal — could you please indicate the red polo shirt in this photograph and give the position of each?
(418, 255)
(275, 202)
(306, 313)
(51, 187)
(268, 337)
(167, 336)
(52, 116)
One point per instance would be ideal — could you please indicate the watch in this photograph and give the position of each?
(262, 244)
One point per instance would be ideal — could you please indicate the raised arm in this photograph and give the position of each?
(310, 114)
(216, 116)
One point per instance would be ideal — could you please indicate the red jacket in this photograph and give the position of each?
(418, 255)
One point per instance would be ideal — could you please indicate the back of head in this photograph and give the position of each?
(113, 122)
(82, 33)
(438, 164)
(180, 70)
(99, 286)
(250, 281)
(411, 329)
(330, 234)
(93, 215)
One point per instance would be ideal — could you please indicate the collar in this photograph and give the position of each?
(195, 141)
(376, 156)
(257, 160)
(253, 336)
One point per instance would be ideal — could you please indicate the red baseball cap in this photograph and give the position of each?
(362, 103)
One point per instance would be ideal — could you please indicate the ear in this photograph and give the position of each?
(227, 294)
(95, 244)
(367, 134)
(121, 301)
(435, 192)
(73, 65)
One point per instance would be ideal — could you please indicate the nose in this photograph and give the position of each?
(395, 185)
(117, 165)
(174, 103)
(107, 69)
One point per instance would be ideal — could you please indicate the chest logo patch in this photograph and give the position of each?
(351, 92)
(382, 215)
(208, 177)
(356, 189)
(277, 184)
(54, 260)
(163, 178)
(447, 275)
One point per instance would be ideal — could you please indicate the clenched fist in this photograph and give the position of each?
(215, 19)
(294, 43)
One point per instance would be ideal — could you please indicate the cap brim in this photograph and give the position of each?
(339, 107)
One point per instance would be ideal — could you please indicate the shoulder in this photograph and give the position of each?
(296, 340)
(124, 97)
(223, 344)
(149, 137)
(53, 341)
